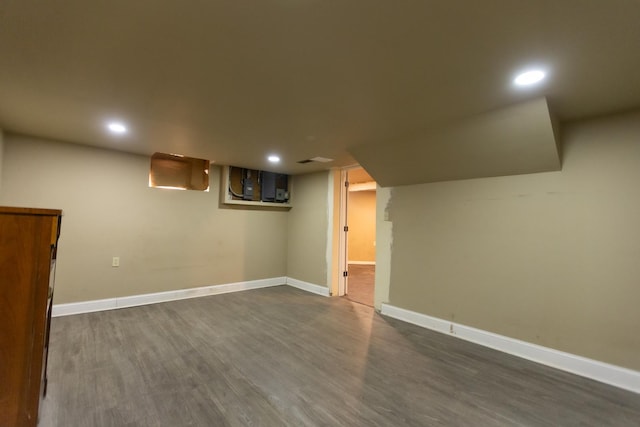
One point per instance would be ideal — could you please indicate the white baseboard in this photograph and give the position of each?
(84, 307)
(309, 287)
(610, 374)
(362, 262)
(136, 300)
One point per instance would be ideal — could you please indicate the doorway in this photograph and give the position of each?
(360, 241)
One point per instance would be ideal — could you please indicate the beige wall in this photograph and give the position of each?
(1, 157)
(361, 218)
(165, 239)
(550, 258)
(384, 241)
(308, 228)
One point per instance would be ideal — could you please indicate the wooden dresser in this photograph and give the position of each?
(28, 242)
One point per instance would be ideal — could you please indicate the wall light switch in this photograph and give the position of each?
(115, 262)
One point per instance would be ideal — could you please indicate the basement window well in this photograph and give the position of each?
(177, 172)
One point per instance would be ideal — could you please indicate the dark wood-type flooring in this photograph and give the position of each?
(283, 357)
(361, 283)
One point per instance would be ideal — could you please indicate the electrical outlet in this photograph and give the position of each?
(115, 262)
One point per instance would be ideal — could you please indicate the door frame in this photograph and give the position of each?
(343, 246)
(343, 249)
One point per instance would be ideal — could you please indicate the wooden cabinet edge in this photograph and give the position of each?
(37, 243)
(30, 211)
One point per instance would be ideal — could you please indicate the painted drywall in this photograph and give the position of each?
(361, 218)
(166, 239)
(1, 157)
(384, 241)
(549, 258)
(308, 226)
(513, 140)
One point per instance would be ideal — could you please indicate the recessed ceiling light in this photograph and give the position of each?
(117, 128)
(529, 78)
(273, 159)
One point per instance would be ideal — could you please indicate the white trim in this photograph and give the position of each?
(144, 299)
(83, 307)
(362, 262)
(610, 374)
(136, 300)
(309, 287)
(343, 247)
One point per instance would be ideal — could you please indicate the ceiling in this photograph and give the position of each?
(359, 176)
(514, 140)
(233, 81)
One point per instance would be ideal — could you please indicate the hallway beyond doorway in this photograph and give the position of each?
(361, 283)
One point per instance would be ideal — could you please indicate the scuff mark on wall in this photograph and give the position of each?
(384, 245)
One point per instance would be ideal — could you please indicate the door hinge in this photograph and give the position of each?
(346, 228)
(345, 273)
(346, 183)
